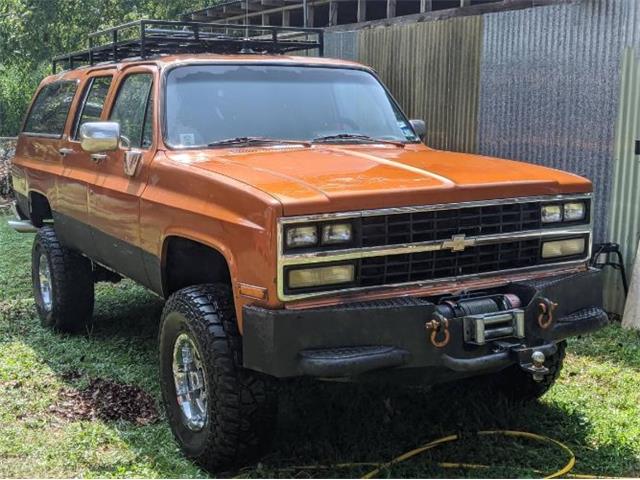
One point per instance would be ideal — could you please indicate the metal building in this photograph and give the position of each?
(326, 13)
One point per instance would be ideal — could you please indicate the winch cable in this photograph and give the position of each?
(563, 472)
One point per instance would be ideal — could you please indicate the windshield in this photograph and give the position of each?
(206, 104)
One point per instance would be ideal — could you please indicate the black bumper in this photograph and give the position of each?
(372, 337)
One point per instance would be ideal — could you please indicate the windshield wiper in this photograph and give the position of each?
(254, 141)
(356, 136)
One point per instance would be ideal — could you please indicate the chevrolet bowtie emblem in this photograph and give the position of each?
(458, 243)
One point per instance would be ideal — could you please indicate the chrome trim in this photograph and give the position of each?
(357, 253)
(429, 208)
(430, 246)
(22, 226)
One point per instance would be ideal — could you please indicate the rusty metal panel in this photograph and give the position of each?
(433, 70)
(342, 45)
(549, 88)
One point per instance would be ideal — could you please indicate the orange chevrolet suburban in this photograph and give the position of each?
(290, 214)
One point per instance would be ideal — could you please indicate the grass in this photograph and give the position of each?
(594, 408)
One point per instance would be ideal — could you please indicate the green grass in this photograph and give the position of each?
(594, 408)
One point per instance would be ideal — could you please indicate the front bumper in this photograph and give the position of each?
(373, 337)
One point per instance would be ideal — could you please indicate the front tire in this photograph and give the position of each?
(518, 385)
(221, 414)
(62, 283)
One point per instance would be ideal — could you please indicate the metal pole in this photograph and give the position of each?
(304, 12)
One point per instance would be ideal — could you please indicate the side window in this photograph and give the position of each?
(132, 109)
(93, 102)
(50, 109)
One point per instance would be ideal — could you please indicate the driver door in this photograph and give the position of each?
(121, 175)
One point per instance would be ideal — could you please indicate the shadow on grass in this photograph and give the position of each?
(332, 423)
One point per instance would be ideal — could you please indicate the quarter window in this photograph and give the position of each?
(133, 110)
(48, 114)
(94, 102)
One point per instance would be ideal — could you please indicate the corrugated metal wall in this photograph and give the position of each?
(433, 70)
(341, 45)
(549, 88)
(625, 195)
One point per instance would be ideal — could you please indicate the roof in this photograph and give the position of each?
(165, 61)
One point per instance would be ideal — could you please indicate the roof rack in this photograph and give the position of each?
(148, 38)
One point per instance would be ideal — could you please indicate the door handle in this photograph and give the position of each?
(98, 157)
(65, 151)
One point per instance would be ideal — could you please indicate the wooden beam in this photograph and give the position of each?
(426, 6)
(391, 8)
(465, 3)
(333, 13)
(286, 18)
(265, 19)
(362, 11)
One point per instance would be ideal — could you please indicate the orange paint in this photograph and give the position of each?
(231, 198)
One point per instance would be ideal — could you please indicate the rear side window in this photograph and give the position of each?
(94, 102)
(50, 109)
(133, 109)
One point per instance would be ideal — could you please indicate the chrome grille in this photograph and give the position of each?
(392, 269)
(379, 230)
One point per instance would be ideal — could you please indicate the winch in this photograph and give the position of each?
(486, 318)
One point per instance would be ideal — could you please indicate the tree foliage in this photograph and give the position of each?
(32, 31)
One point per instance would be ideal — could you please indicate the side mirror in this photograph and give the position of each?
(97, 137)
(419, 127)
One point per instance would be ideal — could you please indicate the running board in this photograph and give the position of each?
(349, 361)
(22, 226)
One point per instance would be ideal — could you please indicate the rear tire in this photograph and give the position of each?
(62, 283)
(226, 414)
(518, 385)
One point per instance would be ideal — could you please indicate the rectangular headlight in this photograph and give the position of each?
(563, 248)
(318, 276)
(551, 213)
(336, 233)
(574, 211)
(306, 236)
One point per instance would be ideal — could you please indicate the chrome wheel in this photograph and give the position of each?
(191, 385)
(44, 282)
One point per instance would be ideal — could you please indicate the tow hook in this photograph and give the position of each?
(536, 368)
(438, 325)
(545, 317)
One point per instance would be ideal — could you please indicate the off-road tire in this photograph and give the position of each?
(71, 281)
(518, 385)
(241, 404)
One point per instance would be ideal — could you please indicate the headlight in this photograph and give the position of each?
(574, 211)
(302, 236)
(551, 213)
(336, 233)
(563, 248)
(318, 276)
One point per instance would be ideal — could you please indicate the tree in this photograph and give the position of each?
(33, 31)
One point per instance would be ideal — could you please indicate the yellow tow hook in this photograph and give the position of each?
(438, 325)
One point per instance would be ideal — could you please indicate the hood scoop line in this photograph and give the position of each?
(446, 181)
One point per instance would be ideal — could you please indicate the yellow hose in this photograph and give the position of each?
(563, 472)
(452, 438)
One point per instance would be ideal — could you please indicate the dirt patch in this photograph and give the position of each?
(106, 400)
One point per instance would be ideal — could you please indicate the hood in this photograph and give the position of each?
(330, 178)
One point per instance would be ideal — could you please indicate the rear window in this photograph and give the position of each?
(50, 109)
